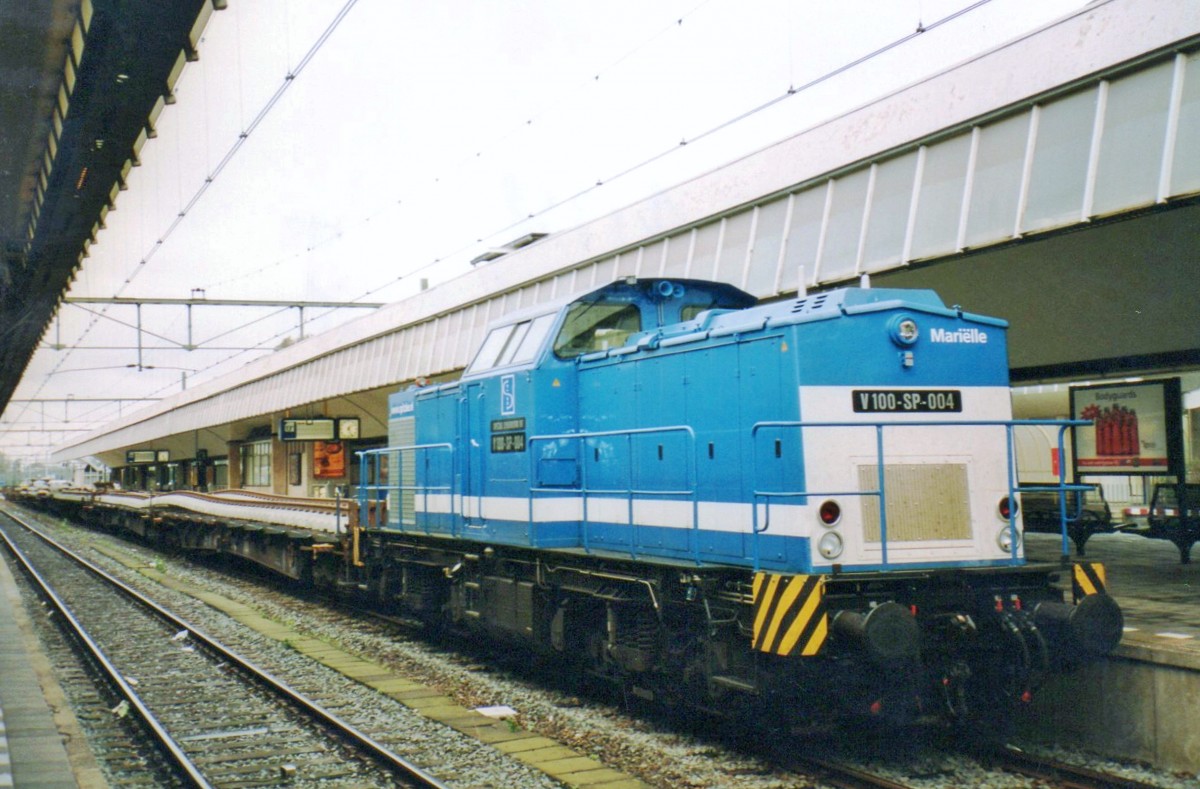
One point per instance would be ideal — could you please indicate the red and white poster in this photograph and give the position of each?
(1135, 427)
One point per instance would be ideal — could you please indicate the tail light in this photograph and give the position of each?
(1008, 508)
(830, 513)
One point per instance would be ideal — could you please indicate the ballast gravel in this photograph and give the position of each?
(659, 754)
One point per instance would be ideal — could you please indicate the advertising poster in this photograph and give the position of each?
(329, 460)
(1136, 428)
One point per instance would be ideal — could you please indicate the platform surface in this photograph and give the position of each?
(32, 751)
(1159, 596)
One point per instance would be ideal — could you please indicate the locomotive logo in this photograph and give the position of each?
(508, 395)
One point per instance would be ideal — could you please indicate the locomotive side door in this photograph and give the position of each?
(473, 437)
(767, 393)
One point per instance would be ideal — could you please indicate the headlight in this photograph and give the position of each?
(830, 545)
(904, 330)
(1005, 537)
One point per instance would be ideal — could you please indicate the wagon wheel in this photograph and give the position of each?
(1082, 530)
(1079, 534)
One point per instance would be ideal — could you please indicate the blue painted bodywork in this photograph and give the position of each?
(664, 413)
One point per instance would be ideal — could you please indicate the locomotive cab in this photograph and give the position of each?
(600, 321)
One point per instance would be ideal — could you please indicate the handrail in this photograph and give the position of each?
(629, 491)
(368, 482)
(583, 490)
(880, 493)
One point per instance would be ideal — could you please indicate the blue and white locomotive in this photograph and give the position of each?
(804, 507)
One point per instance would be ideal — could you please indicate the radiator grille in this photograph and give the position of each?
(402, 433)
(924, 502)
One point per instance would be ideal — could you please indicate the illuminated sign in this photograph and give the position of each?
(316, 429)
(146, 456)
(1137, 428)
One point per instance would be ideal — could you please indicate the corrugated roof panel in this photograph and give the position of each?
(432, 354)
(371, 365)
(421, 349)
(344, 373)
(315, 376)
(438, 355)
(470, 335)
(1106, 39)
(460, 326)
(389, 370)
(373, 369)
(408, 346)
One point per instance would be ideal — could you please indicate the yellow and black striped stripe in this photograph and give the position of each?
(1087, 578)
(789, 614)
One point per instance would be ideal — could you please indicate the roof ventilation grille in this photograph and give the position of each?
(809, 304)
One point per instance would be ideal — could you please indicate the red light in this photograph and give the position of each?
(1026, 697)
(1008, 508)
(876, 707)
(830, 513)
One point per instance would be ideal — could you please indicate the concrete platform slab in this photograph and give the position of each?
(33, 751)
(1139, 703)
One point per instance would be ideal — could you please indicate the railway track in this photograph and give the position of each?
(1052, 772)
(942, 764)
(1042, 772)
(216, 718)
(841, 775)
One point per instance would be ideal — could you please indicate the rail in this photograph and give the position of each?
(881, 492)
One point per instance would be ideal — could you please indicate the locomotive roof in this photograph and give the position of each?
(726, 310)
(827, 304)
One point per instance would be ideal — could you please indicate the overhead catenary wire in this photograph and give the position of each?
(599, 183)
(791, 91)
(476, 151)
(237, 145)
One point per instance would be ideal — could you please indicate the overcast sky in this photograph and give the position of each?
(414, 135)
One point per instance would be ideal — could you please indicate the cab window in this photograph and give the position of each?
(489, 352)
(516, 343)
(596, 326)
(526, 340)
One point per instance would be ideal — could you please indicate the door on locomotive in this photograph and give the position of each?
(472, 427)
